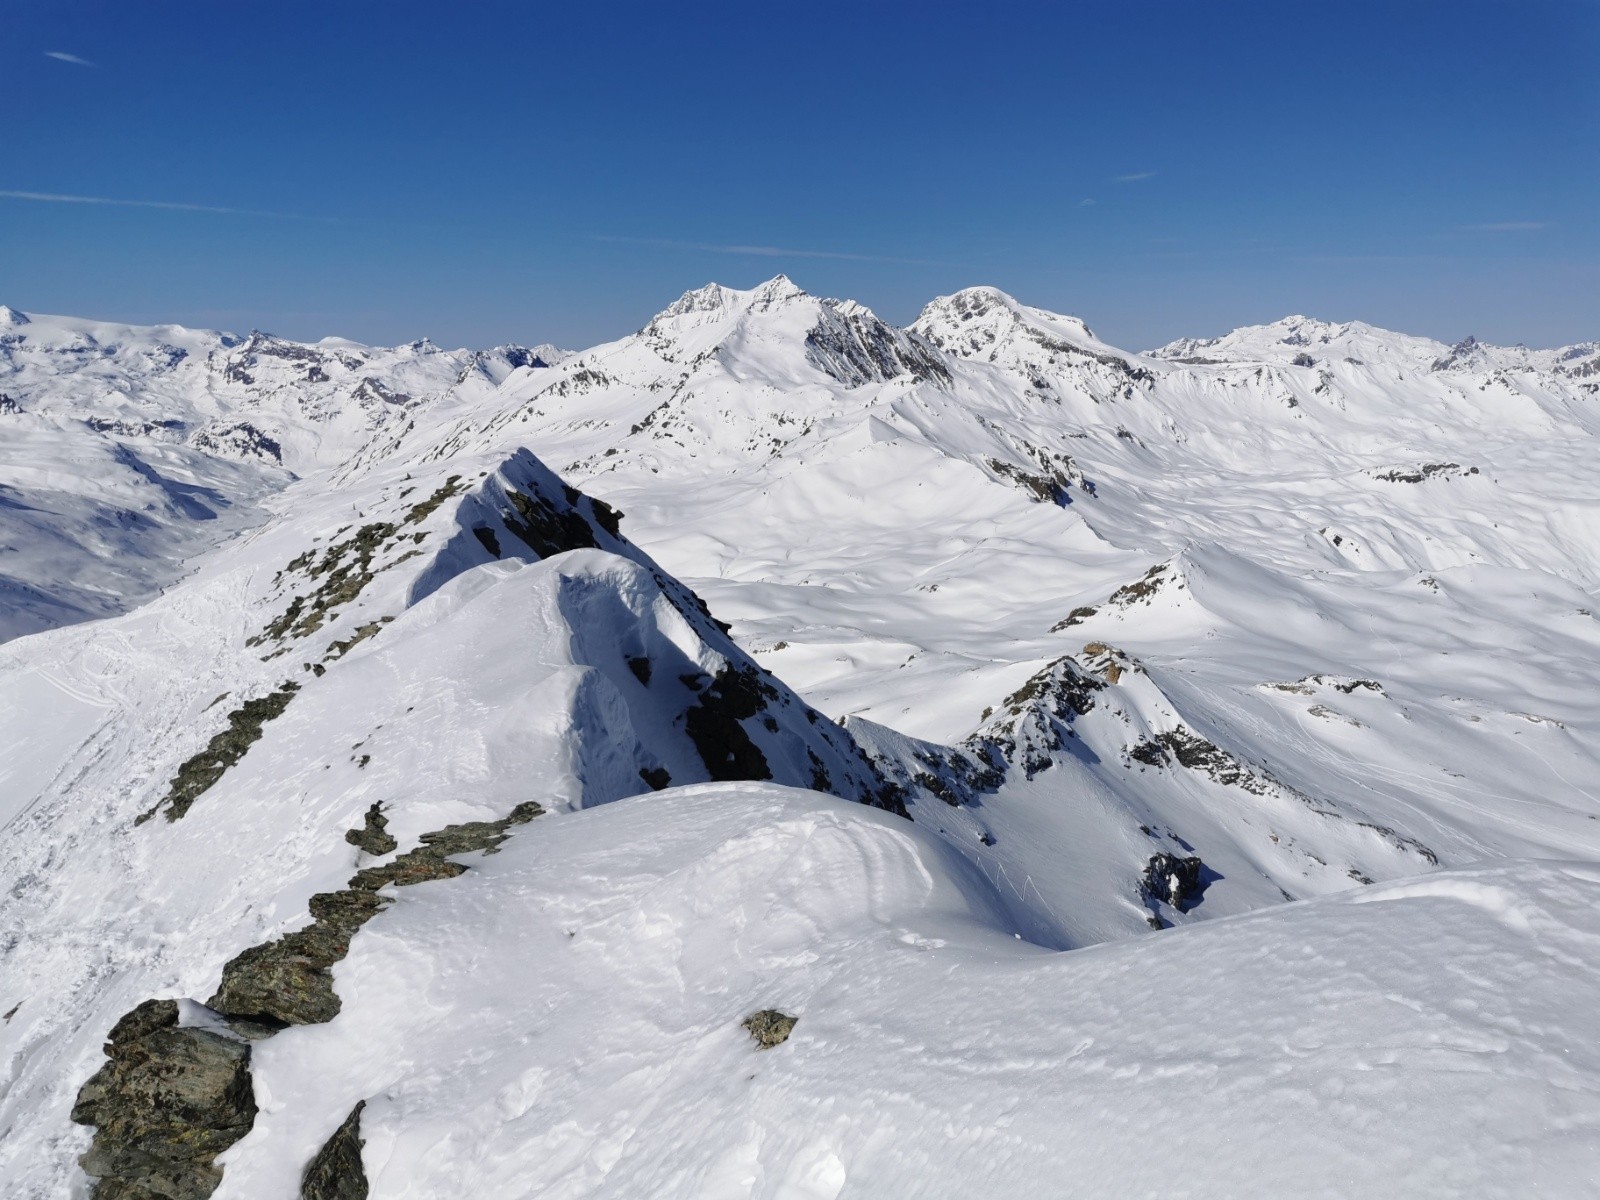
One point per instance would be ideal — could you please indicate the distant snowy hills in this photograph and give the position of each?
(475, 739)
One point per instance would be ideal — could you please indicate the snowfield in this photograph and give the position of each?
(1138, 774)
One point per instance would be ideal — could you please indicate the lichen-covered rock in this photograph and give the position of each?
(200, 772)
(288, 981)
(337, 1172)
(373, 837)
(769, 1027)
(167, 1101)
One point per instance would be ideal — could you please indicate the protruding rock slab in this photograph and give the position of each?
(168, 1101)
(337, 1172)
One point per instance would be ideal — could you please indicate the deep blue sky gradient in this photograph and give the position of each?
(485, 172)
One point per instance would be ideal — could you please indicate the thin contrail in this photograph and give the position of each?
(169, 205)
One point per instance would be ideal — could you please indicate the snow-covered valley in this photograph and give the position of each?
(1167, 773)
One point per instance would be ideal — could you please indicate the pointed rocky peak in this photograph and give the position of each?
(778, 290)
(1466, 354)
(10, 317)
(1035, 721)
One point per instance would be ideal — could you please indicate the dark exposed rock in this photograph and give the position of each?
(1425, 471)
(288, 981)
(656, 777)
(337, 1172)
(338, 649)
(769, 1027)
(486, 536)
(713, 725)
(237, 439)
(1151, 753)
(200, 772)
(373, 837)
(165, 1104)
(1076, 617)
(640, 666)
(855, 347)
(1036, 720)
(1141, 589)
(1179, 882)
(546, 529)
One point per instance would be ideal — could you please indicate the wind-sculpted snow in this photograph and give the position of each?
(571, 1012)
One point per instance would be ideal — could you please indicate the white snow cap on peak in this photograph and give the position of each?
(11, 316)
(715, 298)
(984, 300)
(779, 288)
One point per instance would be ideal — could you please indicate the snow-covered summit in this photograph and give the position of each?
(984, 324)
(1304, 341)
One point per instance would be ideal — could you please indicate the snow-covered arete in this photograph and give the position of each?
(1136, 641)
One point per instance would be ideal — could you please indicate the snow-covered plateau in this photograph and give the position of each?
(782, 756)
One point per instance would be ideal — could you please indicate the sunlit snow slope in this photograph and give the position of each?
(465, 834)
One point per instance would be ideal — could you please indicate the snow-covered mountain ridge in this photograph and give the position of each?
(436, 830)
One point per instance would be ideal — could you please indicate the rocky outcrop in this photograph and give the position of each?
(337, 1172)
(288, 981)
(769, 1027)
(1179, 882)
(166, 1103)
(200, 772)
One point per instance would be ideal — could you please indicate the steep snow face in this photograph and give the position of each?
(477, 638)
(127, 450)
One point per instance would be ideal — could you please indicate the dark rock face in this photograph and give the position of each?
(337, 1173)
(713, 725)
(769, 1027)
(1179, 882)
(373, 837)
(1036, 720)
(547, 529)
(202, 771)
(165, 1104)
(855, 347)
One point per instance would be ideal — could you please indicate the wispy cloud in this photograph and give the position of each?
(1136, 177)
(169, 205)
(757, 251)
(1506, 227)
(1086, 202)
(63, 56)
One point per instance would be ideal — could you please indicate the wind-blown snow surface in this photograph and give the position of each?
(1136, 640)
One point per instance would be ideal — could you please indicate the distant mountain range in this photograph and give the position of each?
(426, 765)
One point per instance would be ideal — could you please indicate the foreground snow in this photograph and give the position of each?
(564, 1022)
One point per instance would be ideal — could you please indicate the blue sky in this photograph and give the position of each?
(482, 172)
